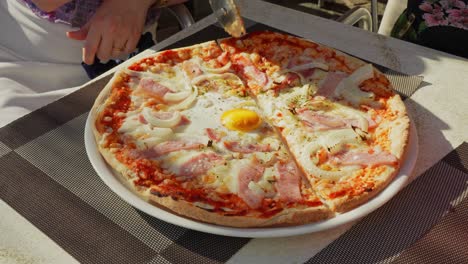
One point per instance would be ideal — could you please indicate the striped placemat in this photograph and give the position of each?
(45, 176)
(433, 208)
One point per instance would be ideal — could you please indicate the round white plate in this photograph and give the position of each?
(112, 180)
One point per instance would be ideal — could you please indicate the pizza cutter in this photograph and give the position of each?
(228, 16)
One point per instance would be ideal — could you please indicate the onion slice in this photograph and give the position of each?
(306, 66)
(335, 139)
(363, 73)
(187, 101)
(333, 143)
(158, 122)
(349, 87)
(176, 97)
(156, 132)
(356, 114)
(312, 169)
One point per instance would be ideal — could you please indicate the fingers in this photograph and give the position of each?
(107, 37)
(104, 51)
(92, 43)
(126, 47)
(113, 40)
(118, 48)
(132, 42)
(79, 34)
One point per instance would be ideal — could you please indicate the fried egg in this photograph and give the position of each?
(240, 119)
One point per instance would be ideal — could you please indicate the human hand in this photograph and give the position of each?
(114, 30)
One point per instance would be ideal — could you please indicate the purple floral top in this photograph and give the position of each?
(77, 12)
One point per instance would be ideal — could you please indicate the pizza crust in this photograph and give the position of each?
(345, 203)
(96, 112)
(399, 133)
(292, 216)
(287, 217)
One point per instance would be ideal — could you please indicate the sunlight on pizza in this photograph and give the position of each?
(264, 131)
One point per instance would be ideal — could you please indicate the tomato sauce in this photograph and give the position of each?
(163, 184)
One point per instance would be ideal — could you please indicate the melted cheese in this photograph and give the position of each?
(231, 176)
(265, 185)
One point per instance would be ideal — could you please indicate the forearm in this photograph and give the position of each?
(49, 5)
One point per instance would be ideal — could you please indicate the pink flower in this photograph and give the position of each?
(437, 9)
(449, 4)
(426, 7)
(436, 19)
(458, 17)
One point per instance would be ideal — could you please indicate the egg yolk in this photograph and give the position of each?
(241, 119)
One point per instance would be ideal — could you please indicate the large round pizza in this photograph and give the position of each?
(264, 130)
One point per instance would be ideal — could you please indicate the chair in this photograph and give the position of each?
(392, 11)
(183, 17)
(182, 14)
(362, 16)
(359, 16)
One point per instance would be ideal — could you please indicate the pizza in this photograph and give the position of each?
(263, 130)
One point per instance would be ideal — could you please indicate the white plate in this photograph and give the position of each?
(112, 180)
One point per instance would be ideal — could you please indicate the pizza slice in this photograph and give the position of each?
(181, 130)
(345, 127)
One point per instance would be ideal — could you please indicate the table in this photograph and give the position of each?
(89, 229)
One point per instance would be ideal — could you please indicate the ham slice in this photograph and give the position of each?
(199, 165)
(216, 137)
(320, 121)
(328, 86)
(152, 88)
(223, 58)
(307, 73)
(191, 69)
(325, 122)
(288, 182)
(305, 66)
(171, 146)
(293, 62)
(251, 172)
(142, 119)
(290, 80)
(184, 121)
(248, 148)
(253, 73)
(364, 158)
(165, 115)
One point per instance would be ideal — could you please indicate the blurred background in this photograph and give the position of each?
(331, 9)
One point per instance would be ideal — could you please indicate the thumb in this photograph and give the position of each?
(79, 34)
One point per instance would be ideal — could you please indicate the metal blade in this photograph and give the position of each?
(228, 16)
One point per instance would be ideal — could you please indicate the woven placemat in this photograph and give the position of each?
(45, 175)
(433, 207)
